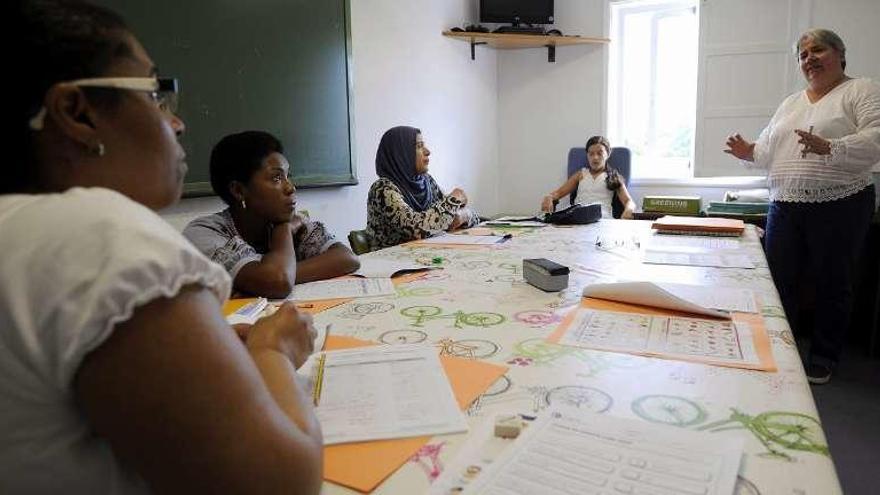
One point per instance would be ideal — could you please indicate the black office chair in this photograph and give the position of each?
(619, 160)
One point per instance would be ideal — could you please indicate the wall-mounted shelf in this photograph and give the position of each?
(506, 41)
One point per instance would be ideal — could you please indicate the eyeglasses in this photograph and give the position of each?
(161, 90)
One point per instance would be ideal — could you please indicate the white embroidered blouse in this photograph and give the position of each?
(849, 117)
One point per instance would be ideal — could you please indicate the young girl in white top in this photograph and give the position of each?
(118, 372)
(596, 182)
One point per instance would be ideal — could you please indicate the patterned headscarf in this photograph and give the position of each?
(396, 161)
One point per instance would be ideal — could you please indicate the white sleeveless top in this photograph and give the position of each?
(75, 264)
(594, 190)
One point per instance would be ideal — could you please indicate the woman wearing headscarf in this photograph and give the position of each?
(819, 148)
(405, 203)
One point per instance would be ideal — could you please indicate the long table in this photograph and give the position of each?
(479, 307)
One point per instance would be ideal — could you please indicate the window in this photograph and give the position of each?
(653, 84)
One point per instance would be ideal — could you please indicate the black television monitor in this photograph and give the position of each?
(517, 11)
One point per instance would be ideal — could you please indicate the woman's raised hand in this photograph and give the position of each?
(812, 143)
(460, 195)
(287, 331)
(740, 148)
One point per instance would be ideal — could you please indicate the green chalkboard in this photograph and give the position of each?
(276, 65)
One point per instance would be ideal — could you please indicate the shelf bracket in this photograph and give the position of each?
(473, 44)
(551, 53)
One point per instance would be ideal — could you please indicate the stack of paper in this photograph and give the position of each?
(738, 342)
(378, 393)
(247, 311)
(514, 223)
(363, 465)
(341, 288)
(571, 451)
(473, 240)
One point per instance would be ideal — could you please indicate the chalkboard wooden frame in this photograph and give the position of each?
(283, 66)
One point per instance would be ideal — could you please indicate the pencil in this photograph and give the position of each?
(319, 379)
(306, 305)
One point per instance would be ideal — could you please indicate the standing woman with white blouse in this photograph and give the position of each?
(819, 149)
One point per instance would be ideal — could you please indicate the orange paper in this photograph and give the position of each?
(755, 322)
(233, 305)
(314, 307)
(363, 465)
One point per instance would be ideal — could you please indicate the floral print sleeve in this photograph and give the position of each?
(471, 217)
(311, 240)
(391, 221)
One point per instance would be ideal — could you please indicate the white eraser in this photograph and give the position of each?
(507, 425)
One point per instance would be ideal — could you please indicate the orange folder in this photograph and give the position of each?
(363, 465)
(755, 322)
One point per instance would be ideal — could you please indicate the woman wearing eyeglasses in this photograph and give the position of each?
(118, 372)
(260, 240)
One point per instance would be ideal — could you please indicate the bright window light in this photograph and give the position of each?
(653, 84)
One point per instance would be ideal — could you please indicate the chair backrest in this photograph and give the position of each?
(619, 160)
(359, 241)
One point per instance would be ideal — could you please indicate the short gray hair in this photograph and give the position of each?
(824, 37)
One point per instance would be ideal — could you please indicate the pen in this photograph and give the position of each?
(319, 379)
(804, 152)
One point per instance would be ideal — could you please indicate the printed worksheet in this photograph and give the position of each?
(712, 259)
(473, 240)
(717, 302)
(342, 288)
(575, 452)
(382, 268)
(514, 223)
(723, 298)
(675, 242)
(383, 392)
(669, 336)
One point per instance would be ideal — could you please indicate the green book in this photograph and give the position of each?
(687, 205)
(742, 208)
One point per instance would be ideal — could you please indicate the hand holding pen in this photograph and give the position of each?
(812, 143)
(286, 331)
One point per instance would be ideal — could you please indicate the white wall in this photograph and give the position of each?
(544, 109)
(858, 24)
(405, 73)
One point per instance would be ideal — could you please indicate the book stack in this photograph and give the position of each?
(681, 205)
(698, 226)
